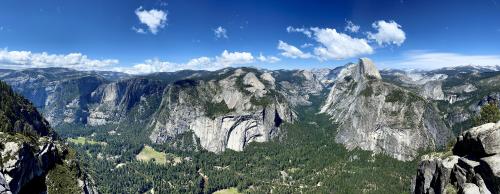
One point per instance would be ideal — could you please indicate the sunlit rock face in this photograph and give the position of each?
(229, 108)
(256, 102)
(251, 113)
(29, 148)
(474, 166)
(381, 117)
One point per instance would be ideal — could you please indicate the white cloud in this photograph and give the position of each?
(27, 59)
(220, 32)
(292, 51)
(138, 30)
(335, 45)
(434, 60)
(332, 44)
(351, 27)
(387, 33)
(268, 59)
(198, 63)
(306, 45)
(78, 61)
(149, 66)
(226, 59)
(305, 31)
(154, 19)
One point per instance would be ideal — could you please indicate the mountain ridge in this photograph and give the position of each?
(138, 99)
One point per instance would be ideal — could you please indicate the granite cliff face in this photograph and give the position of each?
(132, 100)
(29, 149)
(228, 108)
(168, 104)
(473, 167)
(427, 84)
(232, 107)
(223, 113)
(382, 117)
(460, 91)
(61, 94)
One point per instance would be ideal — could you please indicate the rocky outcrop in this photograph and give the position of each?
(425, 84)
(474, 166)
(299, 86)
(381, 117)
(115, 102)
(327, 76)
(224, 114)
(479, 141)
(432, 90)
(169, 104)
(61, 94)
(88, 185)
(237, 131)
(29, 149)
(23, 162)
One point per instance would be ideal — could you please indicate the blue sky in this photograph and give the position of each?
(145, 36)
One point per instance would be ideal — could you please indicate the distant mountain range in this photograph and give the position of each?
(394, 112)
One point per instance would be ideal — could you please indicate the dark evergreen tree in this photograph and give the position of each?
(489, 114)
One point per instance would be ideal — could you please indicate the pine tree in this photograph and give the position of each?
(489, 114)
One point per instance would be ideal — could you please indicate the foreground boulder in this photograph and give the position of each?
(474, 166)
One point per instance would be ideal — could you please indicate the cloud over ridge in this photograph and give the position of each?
(27, 59)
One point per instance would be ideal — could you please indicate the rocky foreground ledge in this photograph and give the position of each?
(473, 167)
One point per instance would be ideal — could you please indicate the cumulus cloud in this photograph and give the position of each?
(351, 27)
(335, 45)
(27, 59)
(433, 60)
(225, 59)
(332, 44)
(268, 59)
(149, 66)
(154, 19)
(305, 31)
(291, 51)
(387, 33)
(198, 63)
(220, 32)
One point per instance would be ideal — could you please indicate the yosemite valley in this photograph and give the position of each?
(350, 129)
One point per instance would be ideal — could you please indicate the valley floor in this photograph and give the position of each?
(304, 159)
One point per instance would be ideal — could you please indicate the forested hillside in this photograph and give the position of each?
(32, 158)
(304, 159)
(146, 133)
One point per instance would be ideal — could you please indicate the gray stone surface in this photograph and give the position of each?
(367, 120)
(480, 141)
(473, 171)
